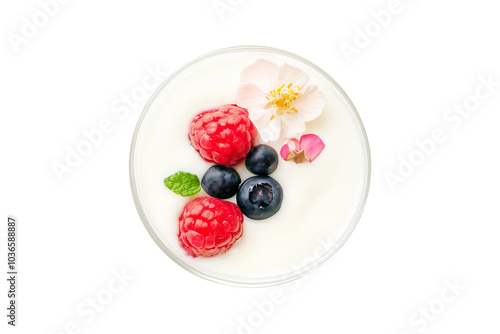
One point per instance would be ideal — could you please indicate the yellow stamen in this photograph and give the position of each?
(282, 99)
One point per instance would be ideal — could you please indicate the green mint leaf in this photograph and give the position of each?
(184, 184)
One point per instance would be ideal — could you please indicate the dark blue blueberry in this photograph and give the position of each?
(220, 181)
(259, 197)
(262, 160)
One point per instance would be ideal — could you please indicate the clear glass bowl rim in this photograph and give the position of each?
(260, 282)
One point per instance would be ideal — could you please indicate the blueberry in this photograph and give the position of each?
(262, 160)
(259, 197)
(220, 181)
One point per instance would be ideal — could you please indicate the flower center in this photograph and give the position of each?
(282, 99)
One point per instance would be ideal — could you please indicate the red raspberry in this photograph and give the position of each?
(209, 226)
(222, 136)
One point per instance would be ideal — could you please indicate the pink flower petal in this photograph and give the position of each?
(290, 146)
(250, 96)
(292, 152)
(291, 74)
(272, 131)
(312, 146)
(261, 119)
(262, 73)
(285, 150)
(269, 129)
(294, 144)
(311, 102)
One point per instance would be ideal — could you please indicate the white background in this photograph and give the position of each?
(440, 225)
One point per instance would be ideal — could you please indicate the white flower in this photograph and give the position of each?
(278, 99)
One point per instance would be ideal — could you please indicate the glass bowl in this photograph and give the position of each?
(323, 200)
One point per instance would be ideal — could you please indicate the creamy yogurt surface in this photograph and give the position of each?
(322, 200)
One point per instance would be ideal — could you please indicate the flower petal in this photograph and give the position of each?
(285, 150)
(294, 144)
(250, 96)
(269, 130)
(311, 103)
(291, 124)
(291, 151)
(312, 146)
(291, 144)
(293, 75)
(262, 73)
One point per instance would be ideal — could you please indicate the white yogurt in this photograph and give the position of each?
(322, 200)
